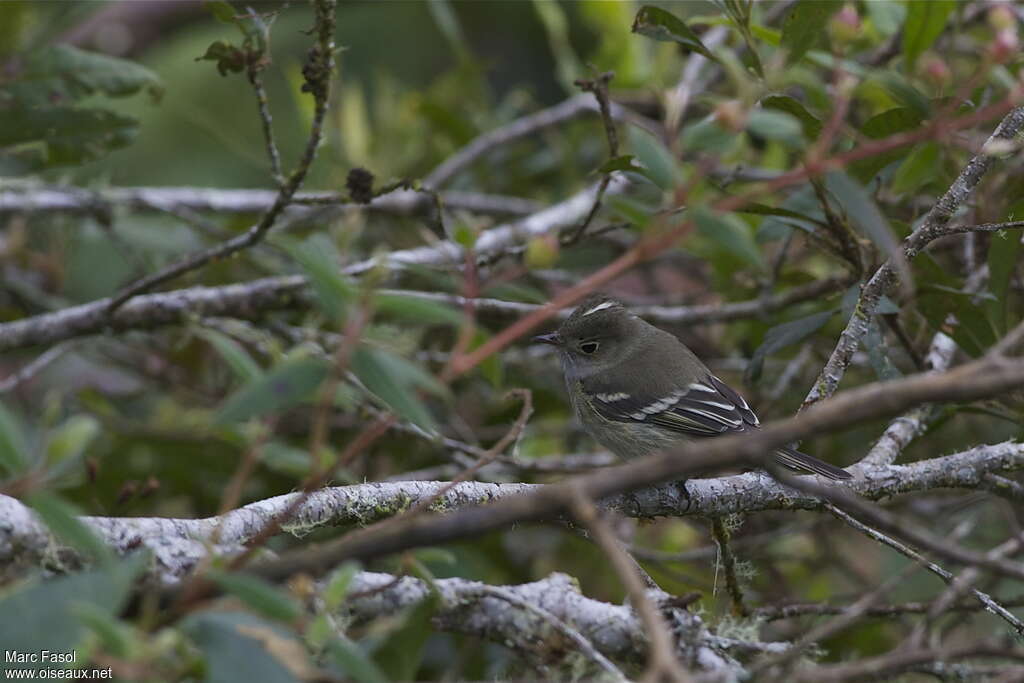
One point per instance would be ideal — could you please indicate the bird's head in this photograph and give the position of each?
(598, 335)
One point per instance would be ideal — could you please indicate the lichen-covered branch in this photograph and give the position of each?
(469, 607)
(32, 199)
(279, 293)
(24, 539)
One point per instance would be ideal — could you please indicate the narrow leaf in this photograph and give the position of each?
(240, 362)
(804, 26)
(261, 596)
(395, 381)
(730, 232)
(925, 21)
(659, 166)
(1003, 250)
(353, 662)
(921, 166)
(284, 386)
(781, 336)
(664, 26)
(865, 215)
(13, 451)
(62, 519)
(790, 105)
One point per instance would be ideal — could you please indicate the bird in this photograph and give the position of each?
(638, 389)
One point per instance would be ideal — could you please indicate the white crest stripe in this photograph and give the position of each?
(600, 307)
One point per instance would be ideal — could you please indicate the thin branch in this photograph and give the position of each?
(318, 71)
(520, 128)
(796, 611)
(33, 368)
(987, 600)
(662, 662)
(581, 643)
(934, 225)
(728, 563)
(254, 298)
(34, 199)
(466, 607)
(840, 622)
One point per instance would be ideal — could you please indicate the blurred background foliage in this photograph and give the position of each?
(153, 423)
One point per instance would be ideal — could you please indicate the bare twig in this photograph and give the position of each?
(987, 600)
(528, 125)
(33, 368)
(728, 563)
(318, 71)
(581, 643)
(662, 663)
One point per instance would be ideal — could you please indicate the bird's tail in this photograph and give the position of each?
(796, 460)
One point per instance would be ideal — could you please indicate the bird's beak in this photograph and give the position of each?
(552, 339)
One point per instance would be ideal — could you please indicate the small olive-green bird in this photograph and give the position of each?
(638, 390)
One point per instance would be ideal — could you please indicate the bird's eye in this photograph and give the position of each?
(588, 347)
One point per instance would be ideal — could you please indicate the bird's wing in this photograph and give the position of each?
(707, 407)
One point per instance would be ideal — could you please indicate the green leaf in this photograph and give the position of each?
(319, 261)
(659, 166)
(731, 232)
(781, 336)
(242, 647)
(1003, 250)
(634, 211)
(658, 24)
(62, 74)
(491, 368)
(240, 362)
(790, 105)
(222, 11)
(285, 458)
(920, 167)
(620, 163)
(886, 15)
(400, 655)
(892, 121)
(448, 23)
(263, 597)
(776, 125)
(353, 662)
(282, 387)
(395, 381)
(116, 637)
(13, 451)
(897, 120)
(925, 21)
(42, 614)
(229, 59)
(62, 519)
(804, 26)
(864, 214)
(71, 438)
(71, 136)
(878, 353)
(800, 210)
(905, 93)
(707, 135)
(338, 585)
(940, 295)
(417, 309)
